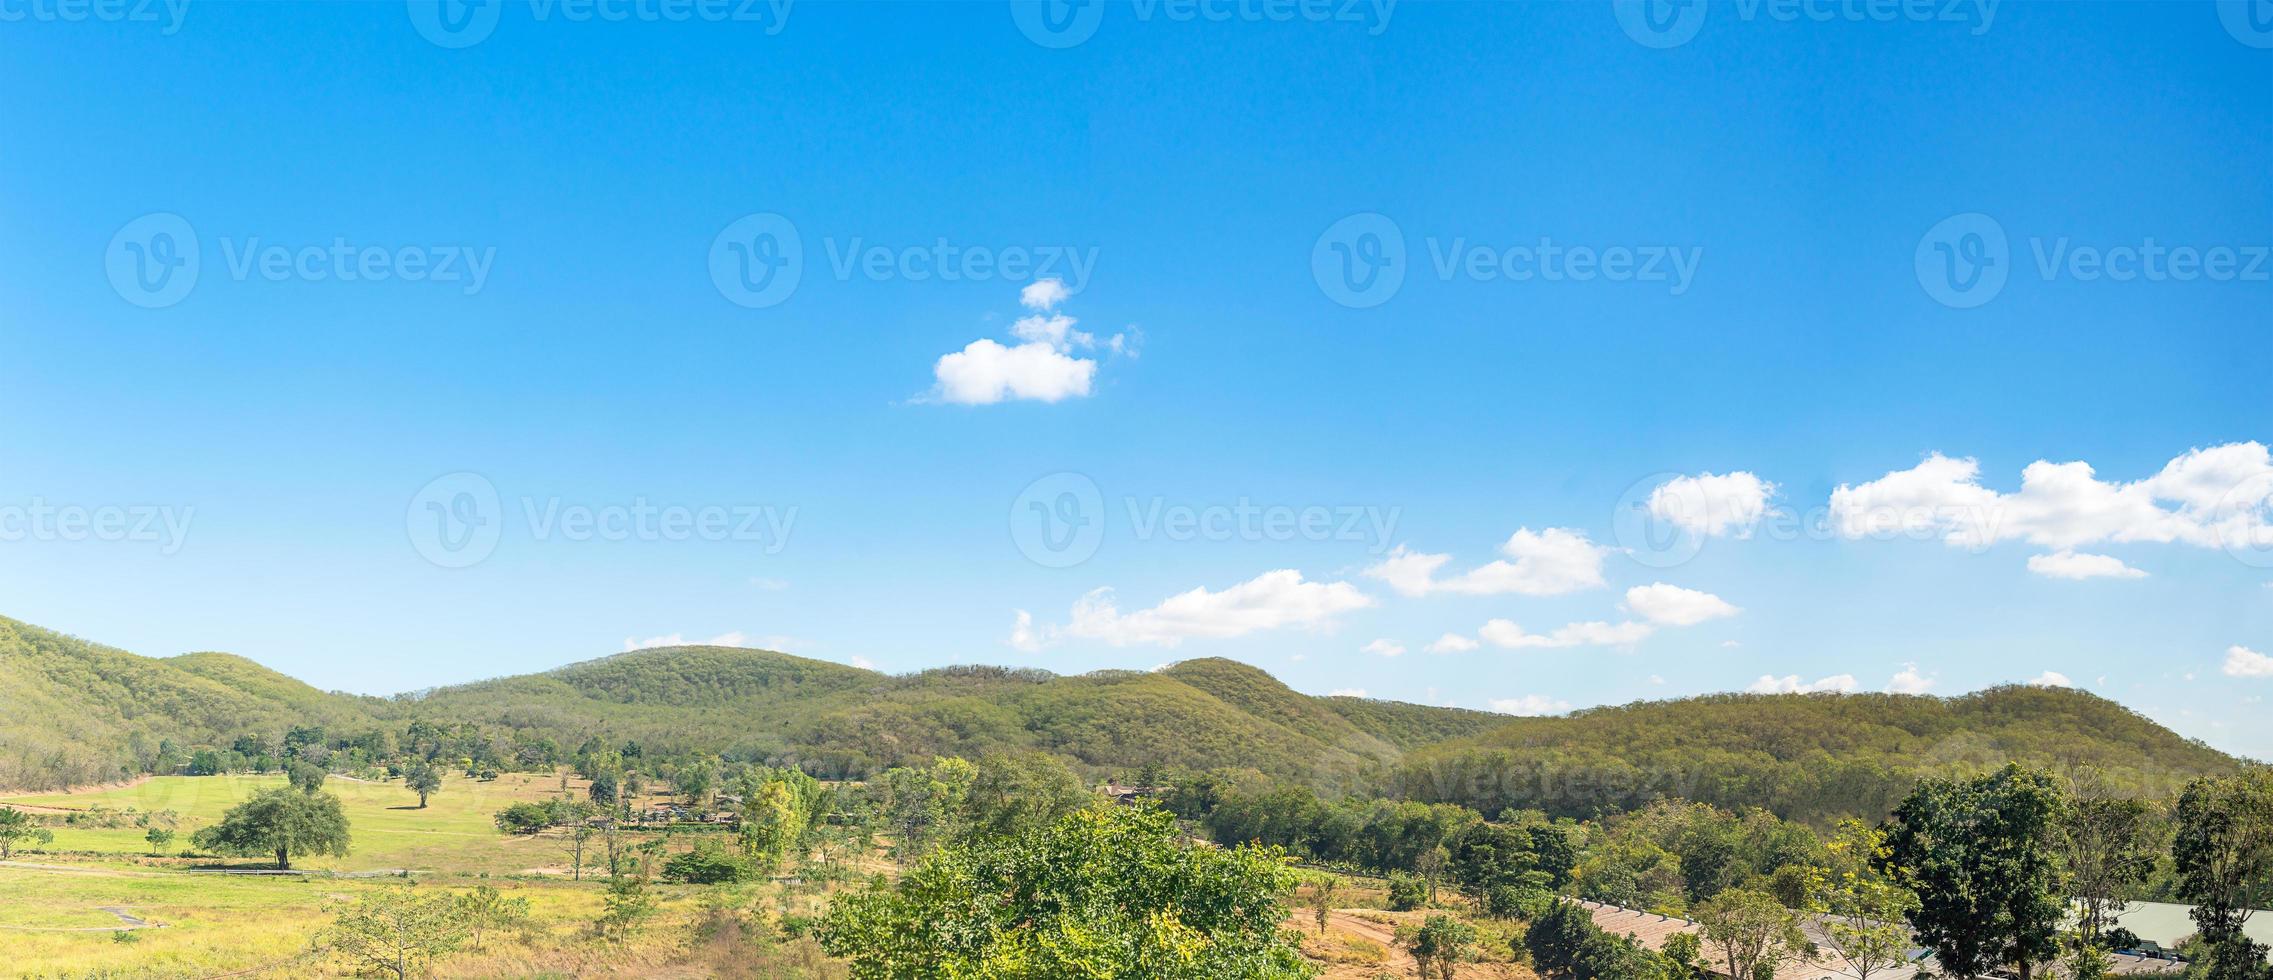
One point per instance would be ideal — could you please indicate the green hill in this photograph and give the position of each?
(1810, 757)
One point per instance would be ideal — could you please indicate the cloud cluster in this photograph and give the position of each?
(1555, 561)
(2242, 661)
(1040, 367)
(1791, 684)
(1714, 505)
(1272, 600)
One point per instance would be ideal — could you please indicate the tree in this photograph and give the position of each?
(305, 777)
(280, 821)
(2108, 846)
(1862, 907)
(16, 827)
(1980, 855)
(1407, 891)
(1322, 900)
(487, 908)
(1104, 893)
(2223, 854)
(395, 931)
(1752, 933)
(1442, 942)
(159, 838)
(628, 905)
(604, 788)
(423, 778)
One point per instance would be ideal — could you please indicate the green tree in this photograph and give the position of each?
(2223, 855)
(281, 821)
(1407, 891)
(306, 777)
(2108, 847)
(1750, 931)
(1439, 944)
(396, 931)
(1322, 899)
(1979, 853)
(486, 908)
(423, 778)
(1862, 907)
(1104, 893)
(159, 838)
(628, 905)
(16, 827)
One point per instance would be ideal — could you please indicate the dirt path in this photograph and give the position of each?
(1399, 961)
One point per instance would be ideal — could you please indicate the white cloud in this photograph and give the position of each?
(1672, 605)
(1502, 633)
(2204, 497)
(1043, 294)
(1346, 692)
(1530, 705)
(734, 639)
(1712, 504)
(1272, 600)
(1909, 681)
(1452, 643)
(1022, 635)
(1539, 563)
(864, 663)
(2077, 566)
(1040, 367)
(2051, 678)
(2242, 661)
(1791, 684)
(1384, 648)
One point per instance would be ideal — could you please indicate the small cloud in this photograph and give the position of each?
(1043, 294)
(2076, 566)
(1791, 684)
(864, 663)
(1041, 366)
(2242, 661)
(1730, 644)
(1909, 681)
(734, 639)
(1672, 605)
(1712, 504)
(1346, 692)
(1022, 634)
(1556, 561)
(1657, 680)
(1508, 635)
(1384, 648)
(1530, 706)
(1452, 643)
(2051, 678)
(1273, 600)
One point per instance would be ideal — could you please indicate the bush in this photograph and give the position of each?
(1407, 891)
(524, 818)
(708, 865)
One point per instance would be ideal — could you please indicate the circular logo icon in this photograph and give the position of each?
(1059, 520)
(1359, 261)
(454, 23)
(1660, 23)
(152, 261)
(1057, 24)
(2249, 21)
(1657, 529)
(455, 521)
(757, 260)
(2243, 521)
(1963, 261)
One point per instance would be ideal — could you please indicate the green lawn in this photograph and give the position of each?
(453, 833)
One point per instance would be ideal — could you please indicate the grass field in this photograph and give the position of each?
(454, 833)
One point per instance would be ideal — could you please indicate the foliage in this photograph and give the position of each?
(485, 908)
(160, 838)
(282, 822)
(305, 777)
(1439, 944)
(2108, 848)
(1407, 891)
(1104, 892)
(2223, 853)
(628, 905)
(1861, 905)
(1979, 855)
(1564, 943)
(1750, 932)
(16, 827)
(710, 863)
(423, 778)
(397, 931)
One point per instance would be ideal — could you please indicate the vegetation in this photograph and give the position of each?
(282, 822)
(397, 932)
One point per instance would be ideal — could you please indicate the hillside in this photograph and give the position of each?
(1813, 757)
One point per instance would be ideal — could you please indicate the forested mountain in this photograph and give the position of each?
(75, 712)
(1812, 757)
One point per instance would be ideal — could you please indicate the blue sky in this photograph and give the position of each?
(1766, 212)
